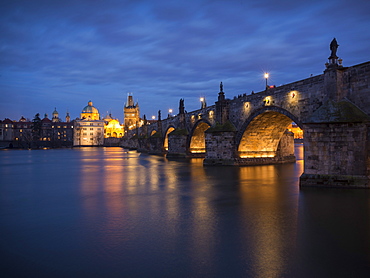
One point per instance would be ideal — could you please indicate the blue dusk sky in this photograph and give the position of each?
(64, 53)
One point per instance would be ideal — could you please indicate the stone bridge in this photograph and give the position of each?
(333, 110)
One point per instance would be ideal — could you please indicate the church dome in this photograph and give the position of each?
(90, 108)
(108, 118)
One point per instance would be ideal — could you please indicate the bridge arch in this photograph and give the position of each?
(196, 140)
(165, 140)
(262, 131)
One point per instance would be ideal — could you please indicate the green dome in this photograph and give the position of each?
(90, 108)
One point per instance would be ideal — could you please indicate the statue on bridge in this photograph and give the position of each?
(333, 47)
(145, 120)
(221, 87)
(181, 106)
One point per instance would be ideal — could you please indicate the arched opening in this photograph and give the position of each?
(165, 144)
(114, 134)
(297, 131)
(153, 132)
(266, 136)
(198, 140)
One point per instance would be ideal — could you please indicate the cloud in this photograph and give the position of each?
(70, 51)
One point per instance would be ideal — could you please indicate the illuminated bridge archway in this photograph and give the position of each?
(165, 142)
(197, 143)
(263, 131)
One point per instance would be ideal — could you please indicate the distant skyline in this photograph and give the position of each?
(61, 54)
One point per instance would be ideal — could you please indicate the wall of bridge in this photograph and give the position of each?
(299, 99)
(333, 109)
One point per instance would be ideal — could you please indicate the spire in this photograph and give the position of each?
(130, 100)
(68, 118)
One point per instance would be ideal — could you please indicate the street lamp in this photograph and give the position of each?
(266, 77)
(153, 117)
(170, 112)
(203, 102)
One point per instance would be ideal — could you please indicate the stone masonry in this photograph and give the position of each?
(333, 109)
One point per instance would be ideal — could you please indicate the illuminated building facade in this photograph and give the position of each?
(298, 133)
(112, 128)
(89, 129)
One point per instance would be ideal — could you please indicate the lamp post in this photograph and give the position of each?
(153, 117)
(170, 112)
(203, 102)
(266, 77)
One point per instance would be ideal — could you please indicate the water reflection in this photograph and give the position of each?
(119, 213)
(334, 231)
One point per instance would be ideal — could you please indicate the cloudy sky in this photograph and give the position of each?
(64, 53)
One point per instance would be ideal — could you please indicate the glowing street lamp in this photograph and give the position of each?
(170, 112)
(203, 102)
(153, 117)
(266, 77)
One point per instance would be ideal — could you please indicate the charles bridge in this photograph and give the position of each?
(333, 110)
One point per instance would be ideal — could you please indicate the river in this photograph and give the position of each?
(110, 212)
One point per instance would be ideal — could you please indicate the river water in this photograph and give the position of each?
(109, 212)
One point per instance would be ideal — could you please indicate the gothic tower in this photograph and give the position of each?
(131, 113)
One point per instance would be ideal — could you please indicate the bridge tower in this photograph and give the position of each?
(131, 112)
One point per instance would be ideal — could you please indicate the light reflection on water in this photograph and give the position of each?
(116, 213)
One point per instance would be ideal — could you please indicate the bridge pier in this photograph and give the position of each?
(156, 144)
(337, 148)
(220, 148)
(177, 143)
(143, 145)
